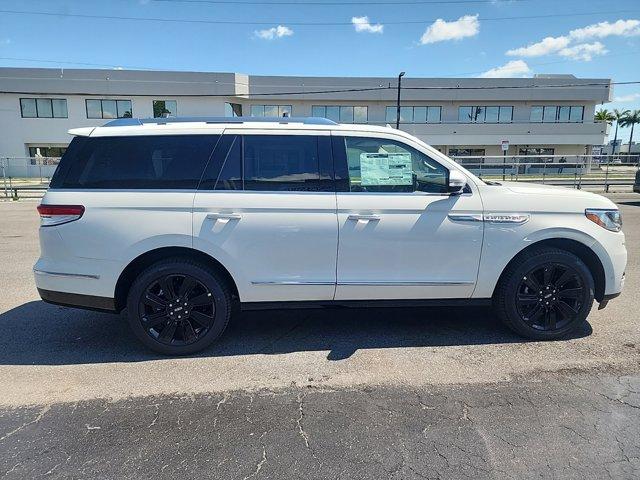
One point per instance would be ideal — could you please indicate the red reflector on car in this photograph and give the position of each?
(51, 210)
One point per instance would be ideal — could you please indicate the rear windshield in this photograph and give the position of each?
(135, 162)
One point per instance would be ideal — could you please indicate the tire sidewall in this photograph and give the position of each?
(209, 279)
(525, 267)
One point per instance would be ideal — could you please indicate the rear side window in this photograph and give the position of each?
(135, 162)
(271, 163)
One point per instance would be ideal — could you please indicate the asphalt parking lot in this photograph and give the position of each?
(384, 393)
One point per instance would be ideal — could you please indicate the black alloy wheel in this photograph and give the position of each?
(545, 293)
(179, 306)
(177, 310)
(550, 296)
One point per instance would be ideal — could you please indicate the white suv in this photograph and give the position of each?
(184, 221)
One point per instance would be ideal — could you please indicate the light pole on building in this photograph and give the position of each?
(398, 103)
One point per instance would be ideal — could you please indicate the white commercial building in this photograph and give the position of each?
(544, 115)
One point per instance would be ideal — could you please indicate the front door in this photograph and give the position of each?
(401, 235)
(266, 210)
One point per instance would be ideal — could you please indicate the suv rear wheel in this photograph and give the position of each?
(546, 294)
(178, 306)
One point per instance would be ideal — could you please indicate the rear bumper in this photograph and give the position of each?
(76, 300)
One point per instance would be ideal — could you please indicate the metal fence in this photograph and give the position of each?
(31, 174)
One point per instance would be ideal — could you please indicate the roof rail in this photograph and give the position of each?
(128, 122)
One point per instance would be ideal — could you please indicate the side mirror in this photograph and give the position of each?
(457, 182)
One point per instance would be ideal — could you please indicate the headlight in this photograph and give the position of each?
(609, 219)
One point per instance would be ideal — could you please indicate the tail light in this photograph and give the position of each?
(51, 215)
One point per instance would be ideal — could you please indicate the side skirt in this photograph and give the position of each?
(445, 302)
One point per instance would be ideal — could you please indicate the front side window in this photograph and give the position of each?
(135, 162)
(381, 165)
(107, 109)
(271, 110)
(165, 108)
(43, 108)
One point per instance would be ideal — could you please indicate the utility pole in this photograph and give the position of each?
(398, 103)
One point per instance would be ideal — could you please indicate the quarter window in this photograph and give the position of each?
(428, 114)
(43, 108)
(165, 108)
(108, 108)
(381, 165)
(485, 114)
(136, 162)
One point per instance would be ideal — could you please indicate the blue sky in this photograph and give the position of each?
(466, 38)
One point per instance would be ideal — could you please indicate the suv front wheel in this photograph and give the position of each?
(545, 294)
(178, 306)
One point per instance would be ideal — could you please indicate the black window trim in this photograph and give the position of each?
(36, 105)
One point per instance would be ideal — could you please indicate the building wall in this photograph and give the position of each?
(205, 94)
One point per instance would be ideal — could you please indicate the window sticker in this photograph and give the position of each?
(386, 169)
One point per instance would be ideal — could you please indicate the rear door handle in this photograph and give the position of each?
(372, 218)
(224, 216)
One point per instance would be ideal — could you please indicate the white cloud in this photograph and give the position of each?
(584, 51)
(545, 46)
(606, 29)
(274, 32)
(362, 24)
(511, 69)
(440, 30)
(627, 98)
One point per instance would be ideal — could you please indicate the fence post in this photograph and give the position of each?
(4, 177)
(544, 170)
(606, 176)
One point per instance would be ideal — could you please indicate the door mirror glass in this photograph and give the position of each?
(457, 181)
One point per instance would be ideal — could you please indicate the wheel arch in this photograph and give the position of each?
(138, 264)
(579, 249)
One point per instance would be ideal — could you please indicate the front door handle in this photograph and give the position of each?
(371, 218)
(224, 216)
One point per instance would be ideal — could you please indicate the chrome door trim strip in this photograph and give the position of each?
(63, 274)
(405, 283)
(290, 282)
(370, 283)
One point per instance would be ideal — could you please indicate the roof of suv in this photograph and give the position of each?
(201, 125)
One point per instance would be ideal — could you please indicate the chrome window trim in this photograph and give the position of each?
(372, 283)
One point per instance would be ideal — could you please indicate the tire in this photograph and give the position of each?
(545, 294)
(178, 306)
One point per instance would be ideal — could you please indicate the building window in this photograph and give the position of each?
(557, 114)
(341, 113)
(467, 152)
(165, 108)
(428, 114)
(108, 108)
(232, 110)
(43, 108)
(44, 151)
(271, 110)
(485, 114)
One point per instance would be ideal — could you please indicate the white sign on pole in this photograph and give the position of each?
(505, 145)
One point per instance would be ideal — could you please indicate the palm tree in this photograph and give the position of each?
(604, 115)
(629, 120)
(618, 115)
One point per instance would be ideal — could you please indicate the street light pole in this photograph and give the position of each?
(398, 103)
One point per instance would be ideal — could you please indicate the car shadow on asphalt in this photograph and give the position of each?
(37, 333)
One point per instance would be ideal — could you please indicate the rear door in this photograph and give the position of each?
(402, 235)
(266, 210)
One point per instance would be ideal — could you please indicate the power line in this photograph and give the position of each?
(333, 3)
(294, 23)
(352, 90)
